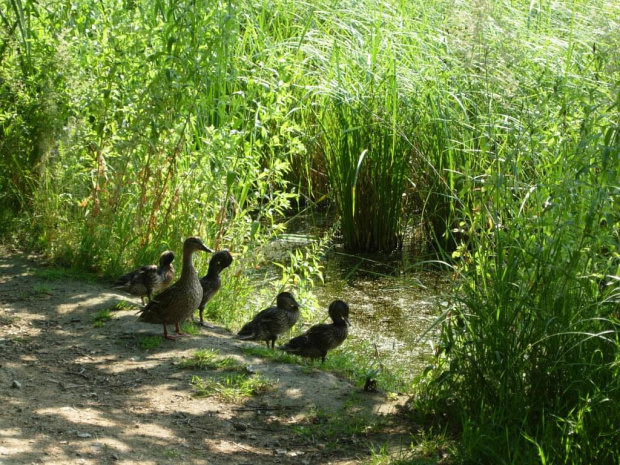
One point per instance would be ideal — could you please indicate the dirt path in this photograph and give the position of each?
(76, 393)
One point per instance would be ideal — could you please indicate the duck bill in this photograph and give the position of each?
(206, 249)
(346, 320)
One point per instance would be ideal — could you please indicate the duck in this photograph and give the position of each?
(178, 302)
(268, 324)
(148, 279)
(321, 338)
(211, 282)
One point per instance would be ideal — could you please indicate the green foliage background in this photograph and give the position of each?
(492, 126)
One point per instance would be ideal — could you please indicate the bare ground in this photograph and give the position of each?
(76, 393)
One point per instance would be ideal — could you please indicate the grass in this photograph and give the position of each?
(355, 362)
(42, 289)
(171, 454)
(106, 314)
(230, 381)
(327, 427)
(101, 317)
(188, 327)
(529, 331)
(232, 387)
(150, 342)
(386, 455)
(123, 305)
(210, 359)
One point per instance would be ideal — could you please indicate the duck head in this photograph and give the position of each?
(166, 258)
(339, 310)
(221, 259)
(287, 301)
(195, 244)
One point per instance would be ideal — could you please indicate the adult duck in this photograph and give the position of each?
(178, 302)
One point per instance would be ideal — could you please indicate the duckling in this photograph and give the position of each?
(211, 282)
(268, 324)
(319, 339)
(177, 302)
(148, 279)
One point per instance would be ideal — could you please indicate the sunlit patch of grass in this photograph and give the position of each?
(172, 453)
(149, 342)
(359, 364)
(232, 387)
(427, 447)
(275, 355)
(123, 305)
(190, 328)
(210, 359)
(386, 455)
(101, 317)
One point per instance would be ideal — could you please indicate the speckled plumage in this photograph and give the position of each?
(179, 301)
(319, 339)
(148, 279)
(211, 282)
(268, 324)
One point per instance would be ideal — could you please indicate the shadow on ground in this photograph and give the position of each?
(77, 393)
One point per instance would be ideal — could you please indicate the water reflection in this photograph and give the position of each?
(390, 308)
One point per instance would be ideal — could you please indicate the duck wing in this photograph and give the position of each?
(262, 319)
(172, 305)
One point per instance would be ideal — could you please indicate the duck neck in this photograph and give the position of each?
(188, 265)
(213, 271)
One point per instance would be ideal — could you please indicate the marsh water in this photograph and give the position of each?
(390, 308)
(393, 300)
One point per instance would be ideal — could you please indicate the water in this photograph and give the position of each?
(390, 309)
(393, 302)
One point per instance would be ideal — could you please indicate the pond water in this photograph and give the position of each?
(392, 301)
(390, 309)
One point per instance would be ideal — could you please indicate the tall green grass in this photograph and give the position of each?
(164, 138)
(367, 161)
(126, 126)
(529, 354)
(528, 364)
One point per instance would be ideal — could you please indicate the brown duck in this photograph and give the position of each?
(319, 339)
(268, 324)
(177, 302)
(211, 282)
(148, 279)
